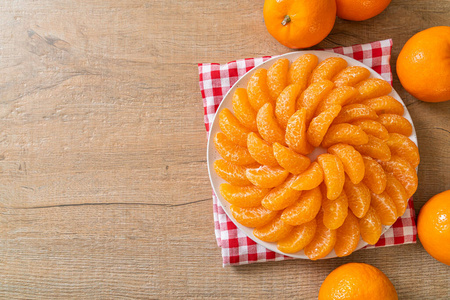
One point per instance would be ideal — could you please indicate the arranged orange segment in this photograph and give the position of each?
(305, 209)
(232, 152)
(374, 177)
(273, 231)
(373, 128)
(312, 177)
(252, 216)
(354, 112)
(358, 196)
(375, 148)
(402, 146)
(290, 160)
(231, 173)
(351, 159)
(312, 96)
(298, 238)
(398, 194)
(395, 123)
(334, 211)
(385, 208)
(301, 69)
(232, 128)
(344, 133)
(347, 236)
(327, 69)
(339, 96)
(372, 88)
(243, 196)
(243, 111)
(320, 124)
(268, 126)
(370, 227)
(403, 171)
(322, 243)
(385, 105)
(351, 76)
(333, 174)
(281, 196)
(266, 177)
(286, 104)
(258, 91)
(277, 77)
(296, 133)
(260, 150)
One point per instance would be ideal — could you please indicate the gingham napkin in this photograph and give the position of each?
(215, 81)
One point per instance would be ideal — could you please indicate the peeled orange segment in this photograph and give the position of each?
(298, 238)
(301, 69)
(385, 208)
(273, 231)
(375, 148)
(327, 69)
(231, 173)
(370, 227)
(333, 174)
(232, 152)
(243, 110)
(402, 146)
(267, 177)
(395, 123)
(334, 211)
(385, 105)
(305, 209)
(243, 196)
(312, 177)
(374, 177)
(268, 126)
(344, 133)
(252, 216)
(398, 194)
(347, 236)
(354, 112)
(351, 159)
(372, 88)
(323, 241)
(320, 124)
(290, 160)
(312, 96)
(358, 196)
(277, 77)
(373, 128)
(258, 91)
(403, 171)
(281, 196)
(296, 133)
(232, 128)
(339, 96)
(260, 150)
(351, 76)
(286, 104)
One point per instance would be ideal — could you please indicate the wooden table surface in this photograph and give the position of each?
(104, 191)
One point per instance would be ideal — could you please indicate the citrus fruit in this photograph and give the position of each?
(277, 77)
(281, 196)
(323, 242)
(296, 133)
(309, 179)
(258, 91)
(305, 209)
(231, 173)
(286, 103)
(260, 150)
(320, 124)
(231, 152)
(358, 196)
(370, 226)
(252, 216)
(360, 10)
(347, 236)
(374, 176)
(351, 159)
(328, 68)
(268, 126)
(351, 76)
(243, 196)
(333, 174)
(266, 177)
(299, 237)
(232, 128)
(293, 162)
(243, 111)
(273, 231)
(301, 69)
(334, 211)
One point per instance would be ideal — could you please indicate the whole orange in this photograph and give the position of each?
(433, 227)
(360, 10)
(423, 65)
(299, 23)
(357, 281)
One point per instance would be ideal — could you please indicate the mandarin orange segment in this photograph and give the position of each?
(298, 238)
(395, 124)
(372, 88)
(385, 105)
(344, 133)
(351, 76)
(347, 236)
(252, 216)
(266, 177)
(258, 91)
(296, 133)
(231, 173)
(301, 69)
(320, 124)
(312, 96)
(375, 148)
(402, 146)
(243, 111)
(370, 227)
(327, 69)
(290, 160)
(398, 194)
(375, 177)
(385, 208)
(323, 241)
(260, 150)
(243, 196)
(403, 171)
(232, 128)
(334, 211)
(351, 159)
(373, 127)
(273, 231)
(339, 96)
(232, 152)
(268, 126)
(281, 196)
(312, 177)
(358, 196)
(277, 77)
(354, 112)
(286, 104)
(305, 209)
(333, 174)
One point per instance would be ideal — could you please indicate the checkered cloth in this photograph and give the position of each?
(215, 81)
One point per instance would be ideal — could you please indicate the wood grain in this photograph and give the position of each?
(104, 191)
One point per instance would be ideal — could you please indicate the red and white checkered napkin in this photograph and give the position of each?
(215, 81)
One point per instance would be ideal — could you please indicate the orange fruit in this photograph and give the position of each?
(312, 177)
(357, 281)
(360, 10)
(232, 128)
(266, 177)
(395, 123)
(299, 23)
(433, 227)
(243, 196)
(298, 238)
(305, 209)
(231, 173)
(258, 91)
(423, 65)
(372, 88)
(385, 105)
(334, 211)
(375, 148)
(398, 194)
(351, 159)
(232, 152)
(385, 208)
(252, 216)
(243, 111)
(403, 171)
(339, 96)
(301, 70)
(374, 176)
(296, 133)
(277, 77)
(333, 174)
(373, 128)
(358, 196)
(344, 133)
(260, 150)
(319, 125)
(354, 112)
(405, 148)
(323, 242)
(281, 196)
(328, 68)
(370, 226)
(312, 96)
(268, 126)
(273, 231)
(347, 236)
(290, 160)
(286, 104)
(351, 76)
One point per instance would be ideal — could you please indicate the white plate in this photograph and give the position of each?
(213, 155)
